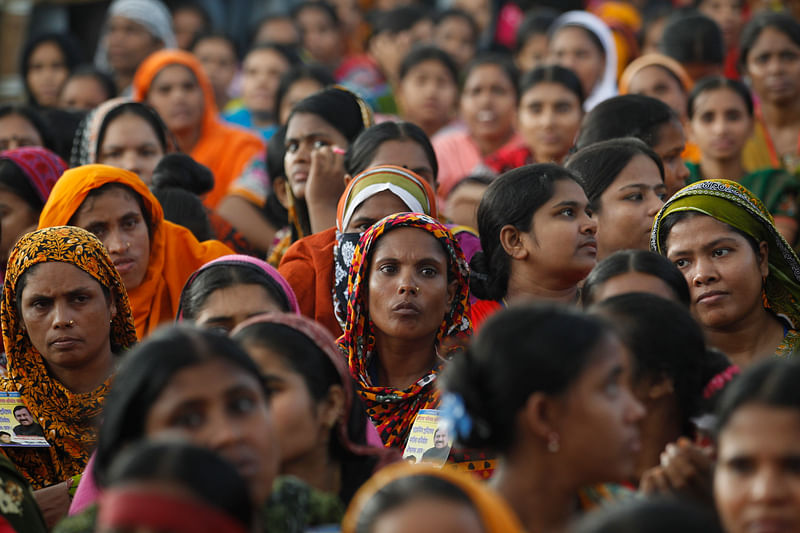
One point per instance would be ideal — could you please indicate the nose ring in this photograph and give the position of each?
(71, 322)
(127, 245)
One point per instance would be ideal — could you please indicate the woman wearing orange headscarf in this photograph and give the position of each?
(154, 257)
(174, 83)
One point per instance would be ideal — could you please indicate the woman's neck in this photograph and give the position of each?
(317, 469)
(780, 116)
(187, 139)
(523, 286)
(489, 145)
(748, 340)
(729, 169)
(403, 362)
(540, 498)
(86, 378)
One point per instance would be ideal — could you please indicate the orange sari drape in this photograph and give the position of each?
(174, 251)
(222, 147)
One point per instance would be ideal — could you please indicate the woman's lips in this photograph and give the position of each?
(711, 297)
(65, 342)
(124, 266)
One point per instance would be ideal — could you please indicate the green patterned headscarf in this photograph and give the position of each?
(731, 203)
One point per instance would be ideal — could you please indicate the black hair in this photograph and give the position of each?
(361, 153)
(102, 78)
(651, 515)
(342, 109)
(185, 209)
(288, 53)
(407, 489)
(673, 218)
(643, 261)
(221, 276)
(208, 35)
(599, 164)
(141, 110)
(782, 22)
(302, 355)
(770, 383)
(665, 341)
(398, 19)
(5, 433)
(652, 14)
(630, 115)
(94, 193)
(519, 351)
(66, 43)
(145, 372)
(180, 171)
(511, 199)
(192, 5)
(423, 53)
(297, 73)
(471, 180)
(273, 211)
(593, 37)
(537, 21)
(458, 13)
(693, 38)
(200, 471)
(36, 120)
(552, 74)
(500, 60)
(13, 179)
(63, 124)
(712, 83)
(17, 408)
(320, 5)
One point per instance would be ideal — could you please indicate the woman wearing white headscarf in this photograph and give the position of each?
(583, 43)
(133, 30)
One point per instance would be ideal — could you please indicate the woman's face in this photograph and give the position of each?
(16, 131)
(428, 95)
(454, 35)
(634, 282)
(409, 294)
(226, 308)
(757, 479)
(572, 48)
(47, 72)
(130, 143)
(299, 420)
(597, 417)
(723, 271)
(628, 206)
(441, 516)
(219, 62)
(67, 316)
(320, 35)
(656, 82)
(561, 244)
(305, 133)
(178, 98)
(488, 103)
(261, 75)
(671, 144)
(773, 66)
(116, 219)
(405, 153)
(217, 405)
(549, 118)
(297, 91)
(721, 124)
(82, 93)
(16, 218)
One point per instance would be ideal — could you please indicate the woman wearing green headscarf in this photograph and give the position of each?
(744, 278)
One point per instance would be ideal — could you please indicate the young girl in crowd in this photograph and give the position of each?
(297, 84)
(46, 63)
(324, 434)
(721, 121)
(66, 318)
(583, 43)
(175, 85)
(22, 126)
(635, 271)
(537, 239)
(154, 256)
(227, 291)
(27, 175)
(456, 32)
(550, 112)
(770, 59)
(124, 134)
(757, 441)
(624, 181)
(547, 389)
(660, 77)
(400, 497)
(743, 277)
(647, 119)
(488, 106)
(86, 88)
(219, 55)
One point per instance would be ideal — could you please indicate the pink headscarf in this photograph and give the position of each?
(41, 166)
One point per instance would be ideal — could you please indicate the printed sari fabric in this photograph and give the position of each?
(731, 203)
(68, 419)
(174, 252)
(393, 411)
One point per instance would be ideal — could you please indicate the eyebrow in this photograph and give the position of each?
(379, 259)
(712, 244)
(566, 203)
(306, 136)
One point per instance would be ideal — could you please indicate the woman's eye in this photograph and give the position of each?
(662, 196)
(429, 272)
(320, 144)
(80, 298)
(721, 252)
(680, 263)
(740, 465)
(569, 212)
(291, 147)
(388, 269)
(243, 404)
(188, 420)
(636, 197)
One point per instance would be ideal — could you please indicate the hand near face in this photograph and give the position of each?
(325, 183)
(685, 469)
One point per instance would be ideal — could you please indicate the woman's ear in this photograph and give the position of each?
(763, 258)
(331, 408)
(347, 179)
(511, 241)
(539, 416)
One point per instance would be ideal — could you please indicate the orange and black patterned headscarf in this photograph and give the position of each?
(393, 411)
(68, 419)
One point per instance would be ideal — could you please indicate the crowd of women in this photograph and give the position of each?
(489, 268)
